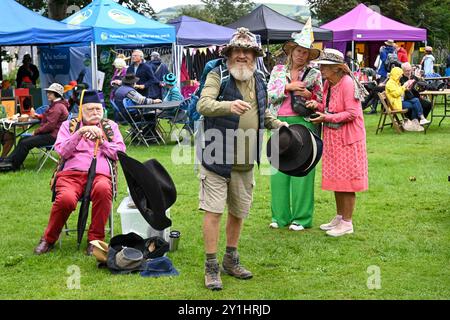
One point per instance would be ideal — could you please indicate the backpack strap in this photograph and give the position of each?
(224, 79)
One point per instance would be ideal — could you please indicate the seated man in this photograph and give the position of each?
(45, 135)
(75, 144)
(127, 90)
(412, 93)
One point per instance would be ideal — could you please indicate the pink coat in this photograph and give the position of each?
(346, 109)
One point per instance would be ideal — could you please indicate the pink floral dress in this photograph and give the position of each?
(344, 159)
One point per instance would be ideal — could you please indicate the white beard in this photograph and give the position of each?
(242, 73)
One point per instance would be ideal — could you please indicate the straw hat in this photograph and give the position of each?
(100, 251)
(389, 43)
(303, 39)
(331, 56)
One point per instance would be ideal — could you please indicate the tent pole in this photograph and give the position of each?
(353, 53)
(94, 65)
(1, 68)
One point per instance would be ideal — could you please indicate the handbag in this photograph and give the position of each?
(298, 103)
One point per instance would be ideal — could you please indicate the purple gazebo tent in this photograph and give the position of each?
(362, 24)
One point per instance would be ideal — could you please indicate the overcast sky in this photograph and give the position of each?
(158, 5)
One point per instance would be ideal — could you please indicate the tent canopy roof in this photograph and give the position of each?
(194, 32)
(115, 24)
(22, 26)
(274, 26)
(364, 24)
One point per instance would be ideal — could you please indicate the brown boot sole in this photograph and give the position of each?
(236, 276)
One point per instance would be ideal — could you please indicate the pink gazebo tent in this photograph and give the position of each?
(362, 24)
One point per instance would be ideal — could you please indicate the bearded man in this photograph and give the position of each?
(234, 120)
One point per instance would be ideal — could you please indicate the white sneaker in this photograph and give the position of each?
(341, 229)
(407, 125)
(273, 225)
(332, 224)
(424, 121)
(296, 227)
(416, 126)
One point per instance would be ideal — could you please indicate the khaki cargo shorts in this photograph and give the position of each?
(235, 192)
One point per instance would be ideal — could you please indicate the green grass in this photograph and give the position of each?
(401, 226)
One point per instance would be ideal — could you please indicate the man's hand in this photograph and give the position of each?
(139, 86)
(156, 101)
(284, 124)
(239, 107)
(91, 133)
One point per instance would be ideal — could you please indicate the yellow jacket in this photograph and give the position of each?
(394, 90)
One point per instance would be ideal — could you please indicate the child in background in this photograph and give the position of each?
(173, 93)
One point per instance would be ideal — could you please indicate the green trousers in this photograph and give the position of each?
(293, 197)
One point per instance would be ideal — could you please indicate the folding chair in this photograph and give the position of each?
(142, 129)
(397, 116)
(178, 120)
(110, 227)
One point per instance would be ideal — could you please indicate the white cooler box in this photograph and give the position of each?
(132, 221)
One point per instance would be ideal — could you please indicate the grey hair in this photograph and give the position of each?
(140, 53)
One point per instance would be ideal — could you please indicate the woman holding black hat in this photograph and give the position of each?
(344, 162)
(289, 87)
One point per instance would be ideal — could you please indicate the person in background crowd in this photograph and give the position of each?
(395, 92)
(120, 70)
(293, 197)
(401, 54)
(159, 69)
(412, 93)
(344, 159)
(27, 74)
(428, 61)
(388, 48)
(147, 83)
(45, 135)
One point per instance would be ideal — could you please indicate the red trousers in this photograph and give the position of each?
(69, 189)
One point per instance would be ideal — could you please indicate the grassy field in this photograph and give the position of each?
(402, 229)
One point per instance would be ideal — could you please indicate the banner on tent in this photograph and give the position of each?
(62, 65)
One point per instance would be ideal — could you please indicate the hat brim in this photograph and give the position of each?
(151, 188)
(389, 43)
(312, 162)
(295, 160)
(327, 62)
(291, 45)
(129, 81)
(226, 51)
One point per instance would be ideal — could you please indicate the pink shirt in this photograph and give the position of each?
(78, 152)
(286, 108)
(346, 109)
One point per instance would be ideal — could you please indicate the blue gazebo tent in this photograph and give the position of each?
(22, 26)
(116, 25)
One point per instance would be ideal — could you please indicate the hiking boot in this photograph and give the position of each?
(212, 276)
(232, 266)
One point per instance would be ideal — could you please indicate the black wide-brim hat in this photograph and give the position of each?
(316, 155)
(130, 79)
(151, 188)
(294, 150)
